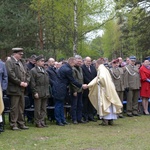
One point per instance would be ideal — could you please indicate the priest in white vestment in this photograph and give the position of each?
(103, 95)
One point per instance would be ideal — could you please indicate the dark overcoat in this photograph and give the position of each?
(64, 78)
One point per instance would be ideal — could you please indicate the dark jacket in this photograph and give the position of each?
(78, 75)
(15, 76)
(88, 76)
(39, 82)
(64, 78)
(3, 76)
(30, 65)
(52, 72)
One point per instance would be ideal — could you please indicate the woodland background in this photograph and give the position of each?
(63, 28)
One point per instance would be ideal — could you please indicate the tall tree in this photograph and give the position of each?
(135, 16)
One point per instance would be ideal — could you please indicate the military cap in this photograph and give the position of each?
(132, 58)
(17, 49)
(33, 56)
(147, 58)
(39, 57)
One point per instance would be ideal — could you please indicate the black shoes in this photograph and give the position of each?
(129, 115)
(66, 123)
(81, 121)
(1, 127)
(92, 119)
(16, 129)
(44, 125)
(74, 122)
(136, 115)
(59, 124)
(120, 116)
(24, 127)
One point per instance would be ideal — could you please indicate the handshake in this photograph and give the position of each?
(84, 86)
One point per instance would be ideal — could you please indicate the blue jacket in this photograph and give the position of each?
(3, 76)
(64, 78)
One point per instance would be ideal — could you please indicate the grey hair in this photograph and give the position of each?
(77, 57)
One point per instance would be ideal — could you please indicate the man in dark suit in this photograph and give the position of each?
(65, 77)
(18, 80)
(89, 73)
(52, 72)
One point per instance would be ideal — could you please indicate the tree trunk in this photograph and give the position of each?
(40, 31)
(75, 36)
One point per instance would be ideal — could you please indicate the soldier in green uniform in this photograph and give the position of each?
(18, 80)
(40, 91)
(132, 83)
(117, 75)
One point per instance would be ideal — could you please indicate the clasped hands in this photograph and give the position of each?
(23, 84)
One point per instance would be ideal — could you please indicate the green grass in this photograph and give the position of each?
(126, 134)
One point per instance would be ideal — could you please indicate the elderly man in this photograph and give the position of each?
(89, 73)
(18, 80)
(132, 83)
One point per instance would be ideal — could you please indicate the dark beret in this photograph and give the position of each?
(115, 60)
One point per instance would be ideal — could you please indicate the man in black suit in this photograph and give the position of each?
(52, 72)
(89, 73)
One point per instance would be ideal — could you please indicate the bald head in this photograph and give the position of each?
(87, 61)
(51, 62)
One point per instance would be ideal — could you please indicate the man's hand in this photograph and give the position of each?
(23, 84)
(75, 94)
(36, 95)
(84, 86)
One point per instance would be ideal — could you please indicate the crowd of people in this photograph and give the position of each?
(94, 88)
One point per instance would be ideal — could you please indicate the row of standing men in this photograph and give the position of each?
(19, 78)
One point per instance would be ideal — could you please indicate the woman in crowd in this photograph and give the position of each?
(145, 85)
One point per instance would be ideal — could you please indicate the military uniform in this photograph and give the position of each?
(17, 73)
(117, 75)
(132, 83)
(40, 84)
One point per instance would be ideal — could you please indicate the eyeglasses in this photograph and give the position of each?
(20, 54)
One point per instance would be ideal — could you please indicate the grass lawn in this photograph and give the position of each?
(126, 134)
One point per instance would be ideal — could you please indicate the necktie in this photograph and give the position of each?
(41, 69)
(89, 69)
